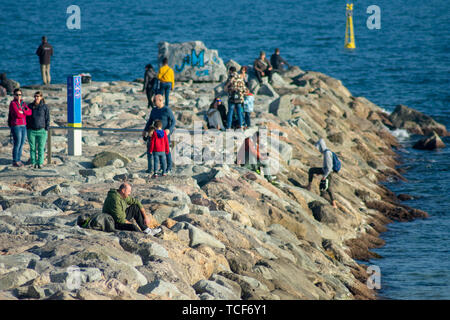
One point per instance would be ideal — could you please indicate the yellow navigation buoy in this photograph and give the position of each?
(349, 34)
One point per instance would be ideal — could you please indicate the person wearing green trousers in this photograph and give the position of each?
(38, 124)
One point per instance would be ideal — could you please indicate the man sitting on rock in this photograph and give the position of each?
(262, 67)
(326, 170)
(278, 62)
(123, 208)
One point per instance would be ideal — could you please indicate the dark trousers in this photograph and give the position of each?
(132, 212)
(164, 88)
(149, 92)
(247, 120)
(267, 73)
(314, 171)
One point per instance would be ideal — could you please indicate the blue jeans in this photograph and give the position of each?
(159, 158)
(231, 107)
(149, 162)
(169, 156)
(247, 119)
(19, 133)
(164, 88)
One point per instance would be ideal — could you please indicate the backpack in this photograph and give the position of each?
(236, 90)
(336, 162)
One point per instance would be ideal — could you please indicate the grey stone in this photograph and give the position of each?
(198, 236)
(193, 61)
(103, 158)
(17, 278)
(21, 260)
(163, 288)
(218, 291)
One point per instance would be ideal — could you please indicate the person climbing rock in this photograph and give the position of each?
(326, 183)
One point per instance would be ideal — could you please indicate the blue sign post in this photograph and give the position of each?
(74, 115)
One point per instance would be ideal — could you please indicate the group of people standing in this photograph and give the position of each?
(240, 98)
(31, 120)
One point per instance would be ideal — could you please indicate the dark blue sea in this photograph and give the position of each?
(405, 62)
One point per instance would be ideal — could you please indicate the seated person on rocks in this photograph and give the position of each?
(278, 62)
(216, 115)
(249, 156)
(123, 208)
(326, 171)
(262, 67)
(8, 84)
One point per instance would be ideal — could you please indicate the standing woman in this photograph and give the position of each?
(37, 127)
(150, 83)
(18, 111)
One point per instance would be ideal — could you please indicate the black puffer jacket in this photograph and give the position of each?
(40, 118)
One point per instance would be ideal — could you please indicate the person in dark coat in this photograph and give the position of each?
(45, 51)
(8, 84)
(38, 124)
(150, 84)
(278, 62)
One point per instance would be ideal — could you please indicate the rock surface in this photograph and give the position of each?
(193, 61)
(228, 232)
(431, 142)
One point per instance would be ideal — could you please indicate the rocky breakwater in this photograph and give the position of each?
(228, 232)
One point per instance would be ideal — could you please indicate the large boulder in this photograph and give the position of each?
(415, 122)
(429, 143)
(105, 158)
(283, 106)
(193, 61)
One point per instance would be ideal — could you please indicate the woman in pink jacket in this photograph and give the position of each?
(18, 112)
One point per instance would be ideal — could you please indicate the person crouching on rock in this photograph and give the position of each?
(326, 183)
(123, 208)
(250, 157)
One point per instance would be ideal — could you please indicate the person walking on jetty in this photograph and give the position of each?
(164, 113)
(327, 170)
(38, 124)
(150, 84)
(262, 67)
(122, 207)
(159, 148)
(278, 62)
(45, 51)
(17, 121)
(166, 78)
(235, 87)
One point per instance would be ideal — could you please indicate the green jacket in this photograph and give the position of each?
(115, 205)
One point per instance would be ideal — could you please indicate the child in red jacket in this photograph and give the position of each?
(159, 147)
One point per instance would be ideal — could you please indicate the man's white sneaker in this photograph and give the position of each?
(155, 231)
